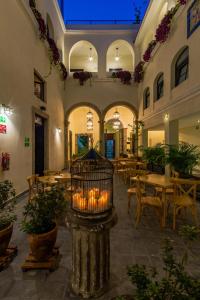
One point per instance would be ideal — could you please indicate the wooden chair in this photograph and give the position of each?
(169, 191)
(133, 189)
(51, 172)
(184, 197)
(147, 201)
(33, 186)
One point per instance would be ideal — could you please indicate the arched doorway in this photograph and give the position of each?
(120, 56)
(82, 130)
(119, 130)
(83, 57)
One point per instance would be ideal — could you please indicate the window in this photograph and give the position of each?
(160, 87)
(147, 98)
(39, 87)
(181, 67)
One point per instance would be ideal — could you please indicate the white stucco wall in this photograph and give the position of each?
(21, 52)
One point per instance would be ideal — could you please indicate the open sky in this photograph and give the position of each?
(102, 9)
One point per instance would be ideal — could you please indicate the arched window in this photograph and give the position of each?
(181, 67)
(159, 87)
(146, 103)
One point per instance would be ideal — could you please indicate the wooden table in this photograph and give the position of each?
(47, 180)
(161, 181)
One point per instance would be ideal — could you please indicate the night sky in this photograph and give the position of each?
(102, 9)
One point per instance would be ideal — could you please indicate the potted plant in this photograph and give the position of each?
(155, 158)
(40, 221)
(183, 158)
(7, 215)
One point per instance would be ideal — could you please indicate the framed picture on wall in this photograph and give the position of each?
(193, 17)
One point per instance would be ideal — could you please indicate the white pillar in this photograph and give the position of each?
(171, 137)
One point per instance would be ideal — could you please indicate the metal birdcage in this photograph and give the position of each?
(92, 184)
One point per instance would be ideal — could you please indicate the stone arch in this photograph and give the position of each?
(81, 59)
(127, 53)
(120, 103)
(81, 104)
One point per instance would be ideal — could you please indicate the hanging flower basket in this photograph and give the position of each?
(82, 76)
(139, 72)
(124, 76)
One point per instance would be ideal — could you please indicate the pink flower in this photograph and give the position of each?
(139, 72)
(149, 50)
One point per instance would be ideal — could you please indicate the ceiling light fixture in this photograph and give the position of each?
(89, 115)
(117, 58)
(116, 114)
(90, 56)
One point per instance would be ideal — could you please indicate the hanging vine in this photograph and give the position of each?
(54, 54)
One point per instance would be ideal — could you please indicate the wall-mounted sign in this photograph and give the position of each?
(193, 18)
(26, 141)
(3, 128)
(2, 119)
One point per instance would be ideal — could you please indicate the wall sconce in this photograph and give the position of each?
(59, 130)
(166, 117)
(6, 109)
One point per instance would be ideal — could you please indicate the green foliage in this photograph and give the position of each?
(42, 212)
(155, 155)
(7, 204)
(177, 284)
(183, 158)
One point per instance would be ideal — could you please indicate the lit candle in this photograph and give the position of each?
(103, 200)
(76, 199)
(82, 204)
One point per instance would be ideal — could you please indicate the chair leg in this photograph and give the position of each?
(129, 202)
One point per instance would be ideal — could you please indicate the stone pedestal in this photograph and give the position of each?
(91, 253)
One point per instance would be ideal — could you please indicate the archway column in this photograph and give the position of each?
(67, 123)
(101, 137)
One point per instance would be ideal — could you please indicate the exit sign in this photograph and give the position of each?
(2, 119)
(3, 128)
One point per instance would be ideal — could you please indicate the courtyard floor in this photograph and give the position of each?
(128, 246)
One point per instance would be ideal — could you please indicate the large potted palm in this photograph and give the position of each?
(7, 215)
(183, 158)
(40, 221)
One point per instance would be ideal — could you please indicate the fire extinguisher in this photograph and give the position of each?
(5, 161)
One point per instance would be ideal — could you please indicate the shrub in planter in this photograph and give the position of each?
(40, 221)
(7, 215)
(124, 76)
(183, 158)
(176, 284)
(155, 158)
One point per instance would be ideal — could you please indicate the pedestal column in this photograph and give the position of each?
(91, 254)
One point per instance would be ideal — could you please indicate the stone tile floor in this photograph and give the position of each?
(128, 246)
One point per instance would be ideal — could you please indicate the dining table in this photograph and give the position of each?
(157, 180)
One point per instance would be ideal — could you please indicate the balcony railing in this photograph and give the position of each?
(102, 22)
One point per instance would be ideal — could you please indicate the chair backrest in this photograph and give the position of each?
(174, 174)
(138, 189)
(185, 187)
(141, 172)
(33, 185)
(51, 172)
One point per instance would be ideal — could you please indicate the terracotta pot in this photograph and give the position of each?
(41, 245)
(5, 236)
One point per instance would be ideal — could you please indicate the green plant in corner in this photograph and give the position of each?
(41, 213)
(155, 156)
(177, 284)
(183, 158)
(7, 204)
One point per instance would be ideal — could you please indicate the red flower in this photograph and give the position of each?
(125, 76)
(149, 50)
(54, 50)
(82, 76)
(63, 70)
(182, 2)
(139, 72)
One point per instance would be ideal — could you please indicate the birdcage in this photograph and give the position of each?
(92, 184)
